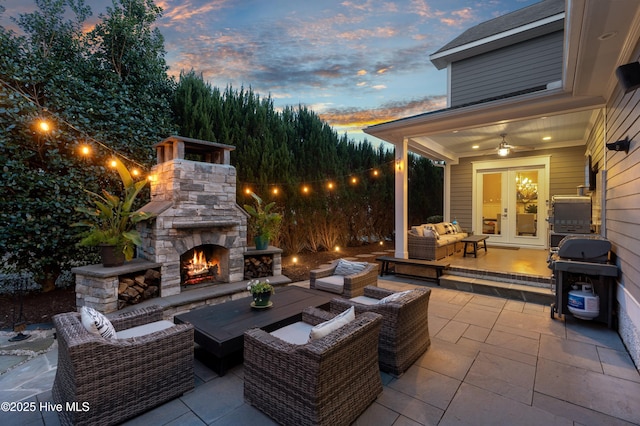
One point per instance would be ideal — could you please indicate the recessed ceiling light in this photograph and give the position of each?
(546, 138)
(475, 146)
(455, 131)
(608, 35)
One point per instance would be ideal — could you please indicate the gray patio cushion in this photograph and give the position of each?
(346, 267)
(296, 333)
(333, 283)
(143, 330)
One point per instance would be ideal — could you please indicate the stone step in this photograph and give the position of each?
(526, 293)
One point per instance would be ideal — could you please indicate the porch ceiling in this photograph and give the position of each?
(600, 35)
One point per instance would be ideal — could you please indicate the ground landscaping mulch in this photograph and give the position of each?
(39, 308)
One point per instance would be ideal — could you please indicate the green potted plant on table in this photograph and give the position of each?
(261, 292)
(111, 221)
(264, 223)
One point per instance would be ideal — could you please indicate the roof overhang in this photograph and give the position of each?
(599, 36)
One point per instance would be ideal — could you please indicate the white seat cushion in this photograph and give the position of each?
(144, 329)
(296, 333)
(364, 300)
(333, 283)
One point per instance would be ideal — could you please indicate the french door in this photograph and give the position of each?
(510, 201)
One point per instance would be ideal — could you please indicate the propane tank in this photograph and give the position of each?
(583, 303)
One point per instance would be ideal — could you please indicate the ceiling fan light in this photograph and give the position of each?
(503, 151)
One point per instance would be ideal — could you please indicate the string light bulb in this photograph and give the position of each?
(85, 149)
(135, 172)
(330, 186)
(43, 125)
(354, 180)
(305, 189)
(113, 163)
(275, 191)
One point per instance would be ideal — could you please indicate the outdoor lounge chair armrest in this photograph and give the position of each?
(315, 316)
(323, 272)
(377, 292)
(136, 317)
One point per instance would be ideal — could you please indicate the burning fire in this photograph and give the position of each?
(199, 265)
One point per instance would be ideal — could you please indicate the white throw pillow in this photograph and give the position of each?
(393, 297)
(333, 324)
(346, 267)
(96, 323)
(428, 232)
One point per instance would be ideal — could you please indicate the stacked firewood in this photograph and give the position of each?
(257, 267)
(133, 290)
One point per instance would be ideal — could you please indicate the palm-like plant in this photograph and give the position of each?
(111, 221)
(264, 221)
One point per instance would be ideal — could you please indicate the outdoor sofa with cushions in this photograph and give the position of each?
(119, 378)
(345, 277)
(329, 380)
(434, 241)
(404, 335)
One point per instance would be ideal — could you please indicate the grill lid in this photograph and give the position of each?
(584, 248)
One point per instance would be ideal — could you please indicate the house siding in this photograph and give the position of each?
(510, 69)
(567, 173)
(622, 221)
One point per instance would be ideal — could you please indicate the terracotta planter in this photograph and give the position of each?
(111, 256)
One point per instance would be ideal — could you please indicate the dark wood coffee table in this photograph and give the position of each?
(474, 240)
(219, 329)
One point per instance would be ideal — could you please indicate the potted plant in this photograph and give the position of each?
(264, 223)
(261, 292)
(111, 221)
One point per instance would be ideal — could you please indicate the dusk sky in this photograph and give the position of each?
(355, 63)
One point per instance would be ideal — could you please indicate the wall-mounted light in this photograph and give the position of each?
(629, 76)
(621, 145)
(399, 165)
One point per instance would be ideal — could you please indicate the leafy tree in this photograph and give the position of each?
(57, 72)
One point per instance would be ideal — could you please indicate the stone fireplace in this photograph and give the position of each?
(199, 234)
(198, 237)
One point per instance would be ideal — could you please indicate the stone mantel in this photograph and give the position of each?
(206, 224)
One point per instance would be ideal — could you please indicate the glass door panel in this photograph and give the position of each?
(491, 203)
(526, 187)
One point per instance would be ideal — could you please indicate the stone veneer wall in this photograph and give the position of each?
(196, 204)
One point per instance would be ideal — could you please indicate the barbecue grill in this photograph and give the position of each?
(584, 258)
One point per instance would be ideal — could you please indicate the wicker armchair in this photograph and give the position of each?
(120, 379)
(328, 381)
(405, 327)
(353, 284)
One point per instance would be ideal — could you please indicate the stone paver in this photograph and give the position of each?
(491, 361)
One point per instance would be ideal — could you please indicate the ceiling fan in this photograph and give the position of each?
(504, 148)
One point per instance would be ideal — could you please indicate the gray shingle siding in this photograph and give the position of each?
(513, 68)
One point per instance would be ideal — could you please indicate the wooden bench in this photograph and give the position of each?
(437, 266)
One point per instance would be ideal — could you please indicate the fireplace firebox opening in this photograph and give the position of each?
(205, 264)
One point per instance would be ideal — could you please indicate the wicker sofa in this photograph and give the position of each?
(120, 378)
(327, 381)
(330, 278)
(404, 335)
(424, 243)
